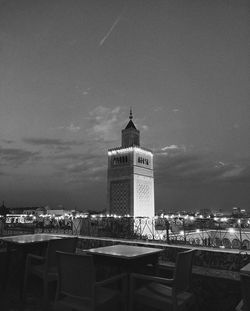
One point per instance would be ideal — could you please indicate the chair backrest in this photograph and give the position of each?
(245, 289)
(183, 271)
(76, 275)
(64, 245)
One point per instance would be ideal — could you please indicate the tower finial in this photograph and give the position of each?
(130, 114)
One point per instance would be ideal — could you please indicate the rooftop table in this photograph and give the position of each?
(126, 257)
(246, 269)
(127, 252)
(23, 244)
(245, 287)
(28, 239)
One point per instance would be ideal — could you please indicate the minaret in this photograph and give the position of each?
(130, 176)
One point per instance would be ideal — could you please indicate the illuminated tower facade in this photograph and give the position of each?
(130, 176)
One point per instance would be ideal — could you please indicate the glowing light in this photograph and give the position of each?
(181, 232)
(231, 230)
(128, 150)
(224, 219)
(197, 231)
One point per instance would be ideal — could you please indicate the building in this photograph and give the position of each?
(238, 212)
(28, 210)
(3, 210)
(130, 176)
(59, 212)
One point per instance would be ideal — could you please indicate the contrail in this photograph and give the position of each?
(110, 30)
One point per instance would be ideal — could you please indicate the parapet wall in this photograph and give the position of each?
(221, 259)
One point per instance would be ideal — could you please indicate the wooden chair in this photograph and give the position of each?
(244, 304)
(78, 289)
(162, 293)
(45, 267)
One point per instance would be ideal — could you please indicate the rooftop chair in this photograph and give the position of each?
(244, 304)
(45, 267)
(77, 288)
(162, 293)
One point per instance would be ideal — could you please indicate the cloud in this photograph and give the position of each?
(89, 168)
(101, 112)
(144, 127)
(239, 173)
(86, 91)
(44, 141)
(80, 168)
(72, 128)
(187, 168)
(231, 172)
(156, 109)
(57, 143)
(171, 150)
(17, 156)
(105, 123)
(222, 163)
(171, 147)
(8, 141)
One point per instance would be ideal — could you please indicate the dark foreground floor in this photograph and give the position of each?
(211, 294)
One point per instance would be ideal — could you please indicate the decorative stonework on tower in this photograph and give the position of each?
(131, 176)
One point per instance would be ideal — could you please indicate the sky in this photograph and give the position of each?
(71, 69)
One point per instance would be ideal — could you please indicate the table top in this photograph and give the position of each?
(246, 269)
(29, 238)
(124, 251)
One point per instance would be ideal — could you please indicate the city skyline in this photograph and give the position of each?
(71, 70)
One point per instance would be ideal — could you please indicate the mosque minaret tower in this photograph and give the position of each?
(130, 176)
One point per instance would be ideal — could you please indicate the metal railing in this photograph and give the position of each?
(235, 233)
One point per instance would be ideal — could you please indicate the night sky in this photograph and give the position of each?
(71, 69)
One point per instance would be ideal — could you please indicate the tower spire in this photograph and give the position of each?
(130, 135)
(130, 114)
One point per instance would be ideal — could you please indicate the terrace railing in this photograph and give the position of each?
(197, 232)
